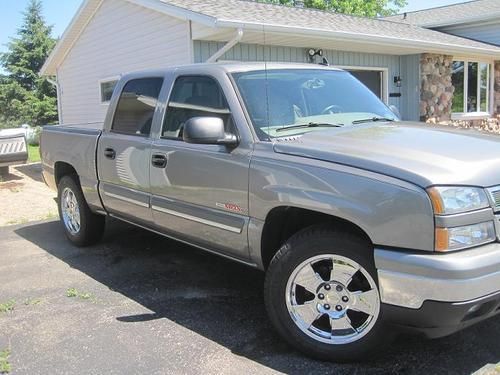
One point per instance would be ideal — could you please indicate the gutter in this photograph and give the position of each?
(230, 44)
(58, 90)
(395, 41)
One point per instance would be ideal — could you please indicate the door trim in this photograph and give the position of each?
(202, 215)
(125, 199)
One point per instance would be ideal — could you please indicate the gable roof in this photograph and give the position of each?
(257, 17)
(471, 11)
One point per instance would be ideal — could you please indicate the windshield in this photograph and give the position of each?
(288, 102)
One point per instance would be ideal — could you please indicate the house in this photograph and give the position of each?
(406, 65)
(477, 20)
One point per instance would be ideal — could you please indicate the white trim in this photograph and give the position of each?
(106, 80)
(478, 114)
(197, 219)
(226, 47)
(385, 77)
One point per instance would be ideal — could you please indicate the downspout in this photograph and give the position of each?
(230, 44)
(58, 93)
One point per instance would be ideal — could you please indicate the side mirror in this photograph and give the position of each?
(207, 131)
(395, 110)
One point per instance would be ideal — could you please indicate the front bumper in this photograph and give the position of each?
(439, 293)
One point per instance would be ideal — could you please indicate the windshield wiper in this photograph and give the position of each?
(310, 125)
(372, 119)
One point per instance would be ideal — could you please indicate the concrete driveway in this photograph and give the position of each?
(139, 303)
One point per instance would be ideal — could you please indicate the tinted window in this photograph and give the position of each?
(194, 96)
(136, 107)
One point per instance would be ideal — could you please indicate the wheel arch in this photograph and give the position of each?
(284, 221)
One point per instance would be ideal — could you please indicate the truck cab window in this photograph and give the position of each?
(194, 96)
(136, 106)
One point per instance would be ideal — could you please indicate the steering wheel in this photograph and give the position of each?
(332, 109)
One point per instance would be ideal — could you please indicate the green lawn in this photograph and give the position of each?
(34, 154)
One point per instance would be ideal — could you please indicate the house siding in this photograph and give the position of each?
(121, 37)
(407, 103)
(484, 32)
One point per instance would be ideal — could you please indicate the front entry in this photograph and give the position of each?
(371, 79)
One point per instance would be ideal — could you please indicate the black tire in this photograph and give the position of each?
(309, 243)
(91, 224)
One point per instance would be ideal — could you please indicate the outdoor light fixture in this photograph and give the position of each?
(398, 81)
(314, 52)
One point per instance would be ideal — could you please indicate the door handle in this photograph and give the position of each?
(159, 160)
(110, 153)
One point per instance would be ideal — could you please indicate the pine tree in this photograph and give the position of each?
(25, 97)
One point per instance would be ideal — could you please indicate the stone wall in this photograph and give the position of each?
(496, 104)
(436, 90)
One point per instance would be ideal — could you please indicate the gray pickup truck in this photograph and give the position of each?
(365, 225)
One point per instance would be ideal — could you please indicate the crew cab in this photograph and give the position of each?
(365, 225)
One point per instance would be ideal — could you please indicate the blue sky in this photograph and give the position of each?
(59, 13)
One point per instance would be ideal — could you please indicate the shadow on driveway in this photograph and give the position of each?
(222, 301)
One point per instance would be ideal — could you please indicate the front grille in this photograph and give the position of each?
(495, 196)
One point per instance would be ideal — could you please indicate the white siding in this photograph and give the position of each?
(484, 32)
(121, 38)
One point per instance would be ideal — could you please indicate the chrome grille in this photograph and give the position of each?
(495, 197)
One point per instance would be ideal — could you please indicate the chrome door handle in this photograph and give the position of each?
(110, 153)
(159, 160)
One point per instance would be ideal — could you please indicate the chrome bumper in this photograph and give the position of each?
(409, 279)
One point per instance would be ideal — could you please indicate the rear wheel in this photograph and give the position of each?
(81, 225)
(322, 296)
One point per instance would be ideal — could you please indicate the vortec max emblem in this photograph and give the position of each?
(229, 206)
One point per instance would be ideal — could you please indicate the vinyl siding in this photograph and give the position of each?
(410, 88)
(120, 38)
(202, 50)
(485, 32)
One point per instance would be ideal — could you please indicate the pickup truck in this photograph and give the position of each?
(366, 226)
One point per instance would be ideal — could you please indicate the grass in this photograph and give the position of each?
(7, 306)
(73, 292)
(5, 366)
(33, 154)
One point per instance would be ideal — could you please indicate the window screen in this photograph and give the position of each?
(194, 96)
(136, 107)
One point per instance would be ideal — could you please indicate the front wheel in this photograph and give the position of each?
(322, 296)
(81, 225)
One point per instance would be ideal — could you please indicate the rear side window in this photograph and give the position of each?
(136, 106)
(194, 96)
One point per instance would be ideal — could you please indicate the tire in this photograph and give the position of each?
(82, 226)
(318, 320)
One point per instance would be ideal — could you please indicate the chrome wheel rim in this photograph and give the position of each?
(332, 299)
(70, 211)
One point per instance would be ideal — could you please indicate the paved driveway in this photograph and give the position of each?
(144, 304)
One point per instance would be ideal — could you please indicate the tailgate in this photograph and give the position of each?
(13, 150)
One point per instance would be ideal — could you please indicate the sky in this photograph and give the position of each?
(59, 13)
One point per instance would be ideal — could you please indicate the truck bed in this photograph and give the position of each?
(72, 146)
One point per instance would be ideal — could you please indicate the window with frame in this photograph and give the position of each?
(136, 106)
(194, 96)
(471, 80)
(107, 88)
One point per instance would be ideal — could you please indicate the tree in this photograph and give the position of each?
(365, 8)
(25, 97)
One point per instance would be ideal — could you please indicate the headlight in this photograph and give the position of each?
(448, 200)
(448, 239)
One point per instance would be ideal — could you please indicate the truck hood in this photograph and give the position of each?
(418, 153)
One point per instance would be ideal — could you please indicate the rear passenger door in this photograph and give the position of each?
(200, 192)
(124, 151)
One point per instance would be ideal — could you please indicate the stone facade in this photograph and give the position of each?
(497, 88)
(436, 89)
